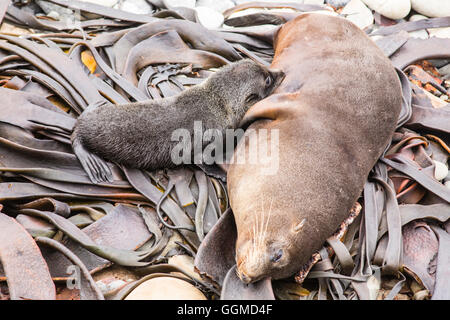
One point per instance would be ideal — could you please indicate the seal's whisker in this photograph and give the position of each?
(268, 218)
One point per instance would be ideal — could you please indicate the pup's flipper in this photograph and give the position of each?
(96, 168)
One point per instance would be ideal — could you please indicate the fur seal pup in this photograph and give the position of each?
(335, 113)
(139, 135)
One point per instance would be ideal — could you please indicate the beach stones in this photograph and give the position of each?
(209, 18)
(135, 6)
(432, 8)
(165, 288)
(179, 3)
(217, 5)
(440, 170)
(392, 9)
(358, 13)
(318, 2)
(420, 34)
(337, 3)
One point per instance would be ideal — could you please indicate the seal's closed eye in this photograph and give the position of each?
(275, 257)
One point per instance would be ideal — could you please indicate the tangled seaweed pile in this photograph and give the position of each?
(109, 239)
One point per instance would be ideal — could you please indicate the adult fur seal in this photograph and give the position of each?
(335, 113)
(139, 135)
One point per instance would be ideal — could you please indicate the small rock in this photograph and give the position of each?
(116, 284)
(440, 170)
(109, 285)
(337, 3)
(392, 9)
(419, 34)
(185, 263)
(209, 18)
(102, 286)
(357, 12)
(165, 288)
(218, 5)
(417, 17)
(135, 6)
(421, 295)
(106, 3)
(53, 14)
(432, 8)
(439, 32)
(318, 2)
(179, 3)
(444, 97)
(373, 284)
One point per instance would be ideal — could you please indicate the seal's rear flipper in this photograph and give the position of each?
(96, 168)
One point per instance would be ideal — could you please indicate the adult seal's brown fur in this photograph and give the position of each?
(335, 113)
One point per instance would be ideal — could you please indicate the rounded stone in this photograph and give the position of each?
(420, 34)
(392, 9)
(179, 3)
(218, 5)
(337, 3)
(209, 18)
(358, 13)
(440, 170)
(165, 288)
(432, 8)
(136, 6)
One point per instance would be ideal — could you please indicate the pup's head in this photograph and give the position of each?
(244, 83)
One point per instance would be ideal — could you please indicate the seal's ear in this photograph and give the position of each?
(296, 228)
(277, 76)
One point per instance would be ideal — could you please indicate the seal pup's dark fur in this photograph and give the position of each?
(139, 135)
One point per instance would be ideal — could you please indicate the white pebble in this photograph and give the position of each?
(439, 32)
(209, 18)
(179, 3)
(314, 2)
(165, 288)
(432, 8)
(53, 14)
(357, 12)
(440, 170)
(114, 285)
(106, 3)
(393, 9)
(135, 6)
(417, 17)
(419, 34)
(218, 5)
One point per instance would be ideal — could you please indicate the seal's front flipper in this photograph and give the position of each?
(96, 168)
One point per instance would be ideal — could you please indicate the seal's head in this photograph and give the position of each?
(240, 85)
(269, 249)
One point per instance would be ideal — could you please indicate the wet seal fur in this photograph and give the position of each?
(335, 111)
